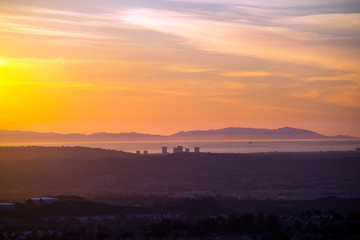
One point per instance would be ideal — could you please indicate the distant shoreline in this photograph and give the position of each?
(85, 148)
(213, 146)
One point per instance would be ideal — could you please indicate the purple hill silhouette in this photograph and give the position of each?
(231, 133)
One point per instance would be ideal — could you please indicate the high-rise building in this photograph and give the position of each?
(164, 150)
(137, 152)
(145, 152)
(197, 149)
(180, 148)
(187, 150)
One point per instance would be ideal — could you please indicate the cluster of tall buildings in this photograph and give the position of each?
(178, 149)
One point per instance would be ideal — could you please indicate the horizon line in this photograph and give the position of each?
(167, 135)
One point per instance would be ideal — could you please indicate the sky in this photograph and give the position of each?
(170, 65)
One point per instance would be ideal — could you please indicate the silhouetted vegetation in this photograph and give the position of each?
(91, 220)
(178, 196)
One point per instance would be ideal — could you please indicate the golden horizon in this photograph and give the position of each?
(166, 67)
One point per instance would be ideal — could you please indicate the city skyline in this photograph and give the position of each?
(165, 66)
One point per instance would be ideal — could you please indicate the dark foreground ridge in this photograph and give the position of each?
(87, 193)
(231, 133)
(275, 175)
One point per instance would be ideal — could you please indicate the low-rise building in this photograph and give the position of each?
(7, 206)
(41, 200)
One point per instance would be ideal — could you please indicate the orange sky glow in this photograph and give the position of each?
(170, 65)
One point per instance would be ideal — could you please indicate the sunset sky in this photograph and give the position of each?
(169, 65)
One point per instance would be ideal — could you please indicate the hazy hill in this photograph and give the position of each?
(69, 168)
(232, 133)
(8, 136)
(78, 153)
(250, 133)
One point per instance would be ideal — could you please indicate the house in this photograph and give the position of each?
(7, 206)
(41, 200)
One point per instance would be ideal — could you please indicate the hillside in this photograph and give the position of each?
(232, 133)
(70, 168)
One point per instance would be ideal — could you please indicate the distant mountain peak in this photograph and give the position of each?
(240, 133)
(229, 133)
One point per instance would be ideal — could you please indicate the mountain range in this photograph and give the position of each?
(231, 133)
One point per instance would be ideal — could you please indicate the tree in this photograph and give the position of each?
(273, 224)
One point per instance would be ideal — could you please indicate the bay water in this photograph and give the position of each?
(240, 146)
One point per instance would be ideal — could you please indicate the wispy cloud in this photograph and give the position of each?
(188, 69)
(246, 74)
(343, 95)
(341, 25)
(276, 43)
(56, 23)
(275, 59)
(272, 3)
(29, 29)
(344, 77)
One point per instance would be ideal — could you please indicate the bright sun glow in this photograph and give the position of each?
(166, 66)
(3, 62)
